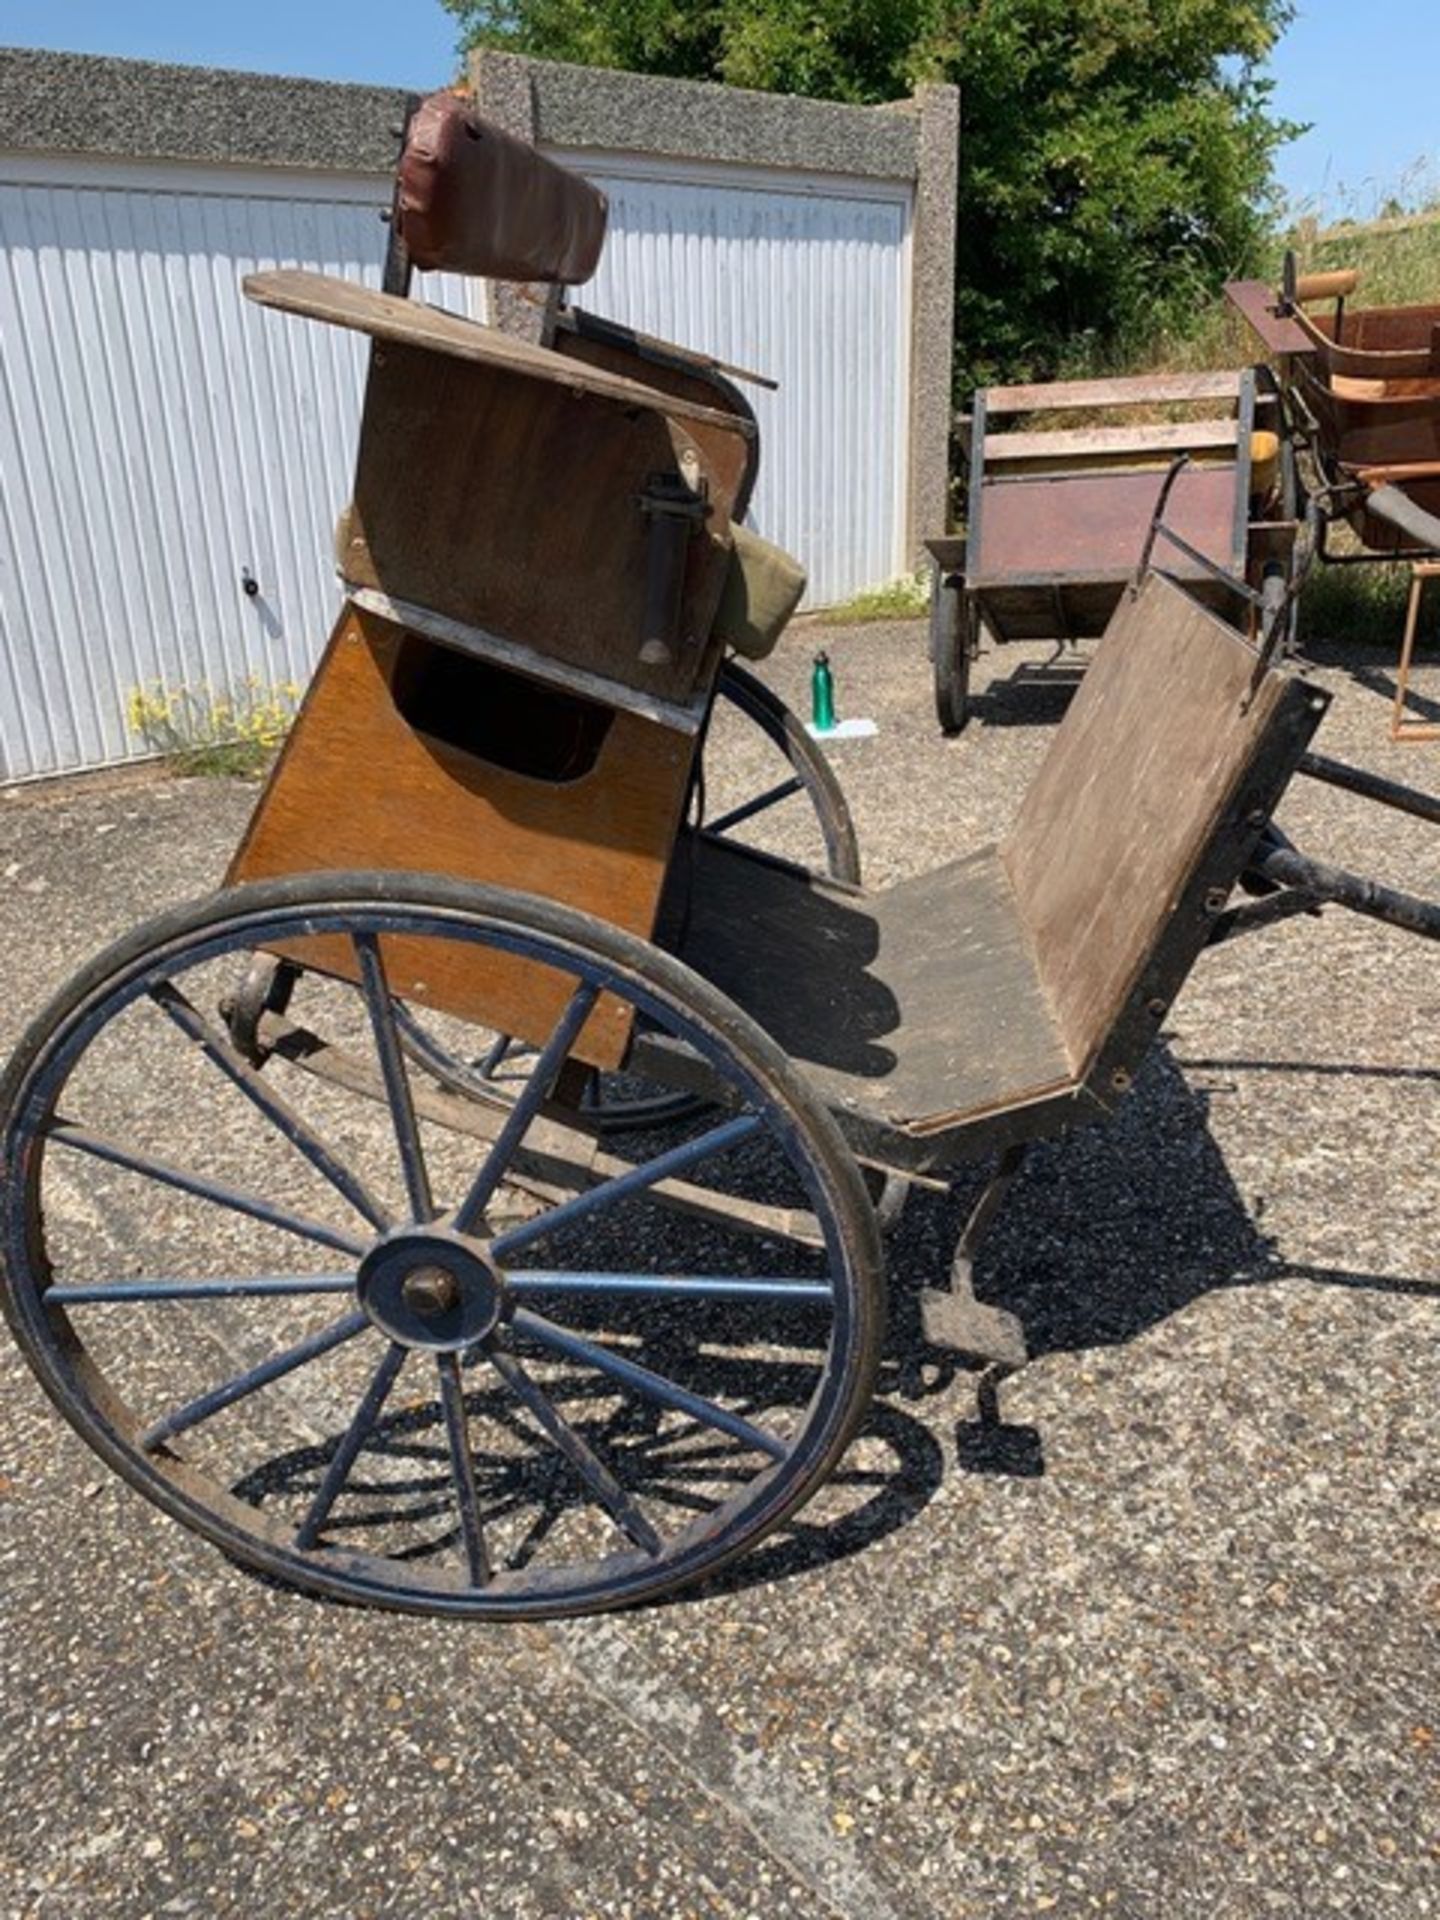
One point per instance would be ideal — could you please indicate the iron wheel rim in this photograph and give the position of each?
(594, 954)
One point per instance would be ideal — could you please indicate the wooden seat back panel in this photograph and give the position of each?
(513, 505)
(1151, 797)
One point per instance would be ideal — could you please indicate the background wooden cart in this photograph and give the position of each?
(1057, 518)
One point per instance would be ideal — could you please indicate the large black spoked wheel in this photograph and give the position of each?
(954, 643)
(310, 1313)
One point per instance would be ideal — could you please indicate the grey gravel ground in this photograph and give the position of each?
(1162, 1643)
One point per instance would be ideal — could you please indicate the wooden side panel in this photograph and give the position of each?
(360, 785)
(1093, 526)
(1395, 430)
(1135, 785)
(514, 505)
(1378, 342)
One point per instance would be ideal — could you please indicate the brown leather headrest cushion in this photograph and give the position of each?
(475, 200)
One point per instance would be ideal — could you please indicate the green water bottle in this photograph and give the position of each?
(822, 694)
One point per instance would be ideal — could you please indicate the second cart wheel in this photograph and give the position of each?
(614, 1104)
(809, 773)
(303, 1311)
(954, 642)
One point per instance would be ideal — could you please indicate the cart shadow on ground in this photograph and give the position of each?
(1371, 665)
(1037, 692)
(1028, 693)
(1104, 1236)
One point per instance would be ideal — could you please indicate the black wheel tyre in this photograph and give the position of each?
(506, 1492)
(954, 635)
(808, 763)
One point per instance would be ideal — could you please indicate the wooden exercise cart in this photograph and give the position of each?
(1360, 387)
(314, 1218)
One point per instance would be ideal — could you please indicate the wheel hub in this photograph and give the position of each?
(430, 1287)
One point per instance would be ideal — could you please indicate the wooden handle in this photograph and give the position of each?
(1327, 286)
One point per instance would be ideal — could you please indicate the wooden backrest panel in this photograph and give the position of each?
(515, 505)
(1152, 794)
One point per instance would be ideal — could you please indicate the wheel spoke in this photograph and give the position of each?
(578, 1451)
(667, 1286)
(527, 1104)
(494, 1057)
(259, 1286)
(346, 1454)
(392, 1068)
(761, 802)
(652, 1385)
(462, 1468)
(216, 1047)
(275, 1368)
(634, 1180)
(238, 1199)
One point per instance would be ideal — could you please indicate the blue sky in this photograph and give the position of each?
(1365, 74)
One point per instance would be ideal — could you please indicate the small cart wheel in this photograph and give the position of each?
(305, 1312)
(954, 642)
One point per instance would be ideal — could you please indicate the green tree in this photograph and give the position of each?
(1116, 155)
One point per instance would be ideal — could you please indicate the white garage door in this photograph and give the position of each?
(161, 438)
(802, 277)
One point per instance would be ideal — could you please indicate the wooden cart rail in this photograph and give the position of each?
(1146, 389)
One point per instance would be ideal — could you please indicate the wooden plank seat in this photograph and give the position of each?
(918, 1002)
(1015, 991)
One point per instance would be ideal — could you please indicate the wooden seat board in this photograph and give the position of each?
(1017, 989)
(321, 296)
(917, 1008)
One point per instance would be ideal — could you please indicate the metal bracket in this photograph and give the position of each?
(952, 1317)
(675, 504)
(1271, 601)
